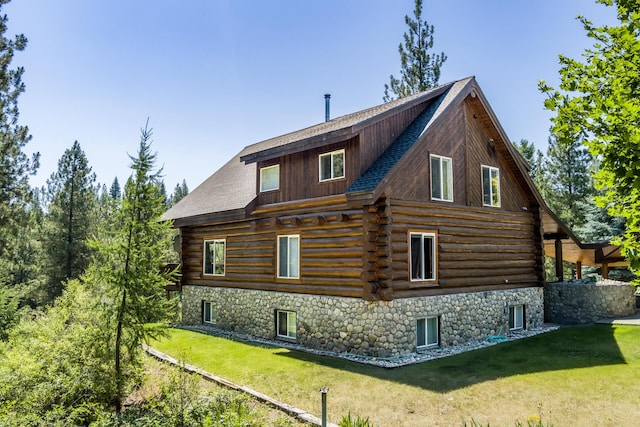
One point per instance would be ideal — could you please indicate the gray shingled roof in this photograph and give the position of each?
(233, 186)
(383, 165)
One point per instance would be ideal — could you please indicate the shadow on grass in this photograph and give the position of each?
(563, 349)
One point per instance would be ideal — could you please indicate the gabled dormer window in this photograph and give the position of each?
(270, 178)
(441, 178)
(332, 165)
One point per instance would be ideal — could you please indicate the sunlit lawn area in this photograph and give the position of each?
(581, 376)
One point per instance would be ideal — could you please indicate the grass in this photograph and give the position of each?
(573, 376)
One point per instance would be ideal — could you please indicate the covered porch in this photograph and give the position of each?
(563, 245)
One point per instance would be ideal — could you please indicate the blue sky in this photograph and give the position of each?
(214, 76)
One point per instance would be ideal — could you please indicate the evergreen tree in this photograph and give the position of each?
(179, 192)
(114, 191)
(128, 265)
(15, 166)
(70, 220)
(568, 169)
(599, 97)
(420, 69)
(536, 161)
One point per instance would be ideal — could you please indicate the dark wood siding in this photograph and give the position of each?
(299, 175)
(330, 249)
(475, 249)
(480, 151)
(377, 137)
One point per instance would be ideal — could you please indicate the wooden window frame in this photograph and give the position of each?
(491, 169)
(519, 310)
(442, 180)
(427, 344)
(204, 258)
(344, 166)
(212, 312)
(433, 234)
(278, 272)
(262, 170)
(289, 335)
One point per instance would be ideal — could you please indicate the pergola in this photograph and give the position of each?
(560, 243)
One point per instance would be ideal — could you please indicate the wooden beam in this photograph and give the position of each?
(559, 267)
(578, 270)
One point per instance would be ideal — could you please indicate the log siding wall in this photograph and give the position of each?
(331, 241)
(475, 250)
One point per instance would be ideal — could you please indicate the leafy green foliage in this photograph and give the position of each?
(54, 368)
(347, 421)
(599, 100)
(420, 70)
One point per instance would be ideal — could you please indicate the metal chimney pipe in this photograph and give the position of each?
(327, 102)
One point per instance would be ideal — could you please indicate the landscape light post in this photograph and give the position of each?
(323, 392)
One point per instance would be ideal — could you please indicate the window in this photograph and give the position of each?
(428, 332)
(516, 317)
(441, 178)
(332, 165)
(214, 255)
(422, 248)
(289, 257)
(209, 312)
(490, 186)
(286, 324)
(270, 178)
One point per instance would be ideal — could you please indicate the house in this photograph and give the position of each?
(405, 226)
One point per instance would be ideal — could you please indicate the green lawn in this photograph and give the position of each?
(586, 376)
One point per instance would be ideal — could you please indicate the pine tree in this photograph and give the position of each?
(114, 191)
(70, 221)
(15, 166)
(568, 169)
(420, 70)
(179, 192)
(130, 256)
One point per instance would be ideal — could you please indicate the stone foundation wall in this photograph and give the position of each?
(378, 328)
(579, 302)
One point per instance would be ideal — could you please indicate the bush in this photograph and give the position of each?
(354, 422)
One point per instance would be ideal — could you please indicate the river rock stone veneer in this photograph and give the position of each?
(579, 302)
(371, 328)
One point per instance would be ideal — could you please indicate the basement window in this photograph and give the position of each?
(286, 324)
(516, 317)
(209, 312)
(428, 332)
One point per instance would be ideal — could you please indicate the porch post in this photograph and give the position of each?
(559, 269)
(578, 270)
(605, 270)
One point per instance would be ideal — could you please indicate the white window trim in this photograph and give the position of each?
(215, 318)
(289, 237)
(491, 168)
(449, 178)
(295, 319)
(331, 153)
(426, 331)
(434, 261)
(518, 316)
(204, 257)
(277, 187)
